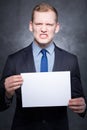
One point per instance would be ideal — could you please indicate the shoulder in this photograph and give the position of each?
(66, 58)
(64, 53)
(21, 52)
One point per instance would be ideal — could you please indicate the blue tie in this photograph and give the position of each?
(44, 61)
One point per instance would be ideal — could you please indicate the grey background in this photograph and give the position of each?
(14, 35)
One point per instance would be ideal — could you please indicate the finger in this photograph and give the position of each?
(77, 102)
(14, 78)
(14, 88)
(13, 81)
(14, 85)
(77, 109)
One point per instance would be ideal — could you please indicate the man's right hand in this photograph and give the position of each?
(12, 83)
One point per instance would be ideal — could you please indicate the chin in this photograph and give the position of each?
(43, 45)
(43, 42)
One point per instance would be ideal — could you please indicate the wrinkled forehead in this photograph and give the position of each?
(42, 16)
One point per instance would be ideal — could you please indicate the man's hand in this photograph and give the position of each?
(12, 83)
(77, 105)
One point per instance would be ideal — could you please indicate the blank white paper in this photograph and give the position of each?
(46, 89)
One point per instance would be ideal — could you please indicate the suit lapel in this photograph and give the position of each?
(29, 65)
(29, 61)
(58, 59)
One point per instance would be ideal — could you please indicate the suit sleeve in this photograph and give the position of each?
(76, 85)
(7, 71)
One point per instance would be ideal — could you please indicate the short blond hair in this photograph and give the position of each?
(44, 7)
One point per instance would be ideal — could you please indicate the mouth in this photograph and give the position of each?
(43, 36)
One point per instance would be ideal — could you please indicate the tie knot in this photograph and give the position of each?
(44, 51)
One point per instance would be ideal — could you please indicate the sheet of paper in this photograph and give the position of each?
(46, 89)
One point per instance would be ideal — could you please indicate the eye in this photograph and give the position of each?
(49, 24)
(38, 24)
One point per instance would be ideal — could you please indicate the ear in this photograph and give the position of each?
(57, 28)
(30, 26)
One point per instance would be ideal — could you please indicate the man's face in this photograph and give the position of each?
(44, 26)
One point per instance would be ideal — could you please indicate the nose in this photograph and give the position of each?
(43, 28)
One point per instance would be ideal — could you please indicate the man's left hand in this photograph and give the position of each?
(77, 105)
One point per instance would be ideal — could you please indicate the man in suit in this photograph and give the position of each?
(44, 24)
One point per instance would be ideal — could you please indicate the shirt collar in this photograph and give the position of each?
(37, 49)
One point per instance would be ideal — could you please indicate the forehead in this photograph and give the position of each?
(44, 16)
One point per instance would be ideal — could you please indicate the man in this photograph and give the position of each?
(44, 24)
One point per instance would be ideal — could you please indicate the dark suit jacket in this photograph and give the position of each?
(46, 118)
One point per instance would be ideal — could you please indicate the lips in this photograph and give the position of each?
(43, 36)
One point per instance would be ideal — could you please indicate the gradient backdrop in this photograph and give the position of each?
(14, 35)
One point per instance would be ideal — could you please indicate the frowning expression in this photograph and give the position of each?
(44, 27)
